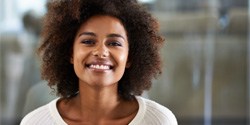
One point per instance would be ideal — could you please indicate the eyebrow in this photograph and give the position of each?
(109, 35)
(116, 35)
(88, 34)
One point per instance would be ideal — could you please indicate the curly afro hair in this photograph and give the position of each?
(63, 20)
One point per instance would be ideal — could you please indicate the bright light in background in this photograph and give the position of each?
(37, 5)
(146, 1)
(14, 10)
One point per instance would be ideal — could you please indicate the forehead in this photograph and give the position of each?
(103, 24)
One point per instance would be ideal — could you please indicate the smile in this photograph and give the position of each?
(99, 66)
(105, 67)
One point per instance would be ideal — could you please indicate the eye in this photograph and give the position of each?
(88, 42)
(114, 43)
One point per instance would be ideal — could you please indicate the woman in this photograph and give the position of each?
(101, 55)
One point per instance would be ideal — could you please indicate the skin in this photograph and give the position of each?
(100, 56)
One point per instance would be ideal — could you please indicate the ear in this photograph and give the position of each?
(71, 60)
(128, 64)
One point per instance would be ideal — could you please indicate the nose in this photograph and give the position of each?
(100, 51)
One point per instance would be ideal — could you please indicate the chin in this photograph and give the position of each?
(101, 84)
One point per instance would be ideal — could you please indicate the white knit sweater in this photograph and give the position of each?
(149, 113)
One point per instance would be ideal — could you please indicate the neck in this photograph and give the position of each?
(98, 104)
(98, 101)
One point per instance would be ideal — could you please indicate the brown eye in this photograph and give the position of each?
(88, 42)
(114, 43)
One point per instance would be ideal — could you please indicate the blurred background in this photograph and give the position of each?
(206, 76)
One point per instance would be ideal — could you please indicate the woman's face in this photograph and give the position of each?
(100, 51)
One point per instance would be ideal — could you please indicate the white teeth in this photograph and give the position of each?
(99, 66)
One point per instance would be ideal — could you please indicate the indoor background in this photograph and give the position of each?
(206, 76)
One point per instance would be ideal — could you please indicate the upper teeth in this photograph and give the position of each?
(99, 66)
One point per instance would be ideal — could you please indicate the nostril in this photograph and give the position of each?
(100, 53)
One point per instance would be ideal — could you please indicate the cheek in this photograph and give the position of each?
(122, 57)
(78, 62)
(78, 57)
(79, 53)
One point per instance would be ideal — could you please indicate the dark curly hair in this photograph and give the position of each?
(63, 20)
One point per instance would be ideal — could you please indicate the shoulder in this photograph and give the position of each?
(35, 116)
(41, 115)
(156, 113)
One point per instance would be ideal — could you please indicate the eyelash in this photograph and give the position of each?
(89, 42)
(115, 43)
(92, 42)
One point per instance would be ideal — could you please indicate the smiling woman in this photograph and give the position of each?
(101, 55)
(100, 51)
